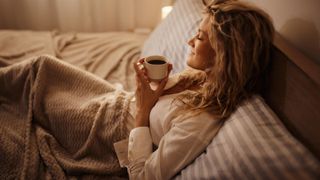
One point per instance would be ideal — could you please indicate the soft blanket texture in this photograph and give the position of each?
(59, 122)
(108, 55)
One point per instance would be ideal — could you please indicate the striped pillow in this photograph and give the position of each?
(253, 144)
(172, 34)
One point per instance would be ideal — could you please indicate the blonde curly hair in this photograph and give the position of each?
(241, 36)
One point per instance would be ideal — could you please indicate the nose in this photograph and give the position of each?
(191, 42)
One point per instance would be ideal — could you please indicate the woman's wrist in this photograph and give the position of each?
(142, 118)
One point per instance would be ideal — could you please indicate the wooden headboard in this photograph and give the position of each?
(293, 92)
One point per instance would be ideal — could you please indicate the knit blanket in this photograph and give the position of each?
(108, 55)
(59, 122)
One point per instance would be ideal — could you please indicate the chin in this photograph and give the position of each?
(189, 63)
(190, 60)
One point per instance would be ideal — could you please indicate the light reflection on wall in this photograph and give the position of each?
(165, 11)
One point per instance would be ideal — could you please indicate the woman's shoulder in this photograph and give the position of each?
(202, 125)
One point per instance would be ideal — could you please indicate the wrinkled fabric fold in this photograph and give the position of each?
(108, 55)
(59, 122)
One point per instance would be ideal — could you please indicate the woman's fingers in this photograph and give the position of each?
(141, 60)
(141, 77)
(141, 67)
(144, 70)
(161, 86)
(169, 68)
(164, 81)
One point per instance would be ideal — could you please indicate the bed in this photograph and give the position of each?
(273, 136)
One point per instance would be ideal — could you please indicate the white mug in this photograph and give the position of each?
(156, 66)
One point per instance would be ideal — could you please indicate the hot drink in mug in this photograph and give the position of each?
(157, 67)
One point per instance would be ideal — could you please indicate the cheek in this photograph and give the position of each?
(205, 56)
(197, 62)
(203, 49)
(202, 58)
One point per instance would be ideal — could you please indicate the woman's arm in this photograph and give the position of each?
(180, 145)
(146, 98)
(185, 140)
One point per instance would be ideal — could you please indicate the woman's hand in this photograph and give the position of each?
(146, 98)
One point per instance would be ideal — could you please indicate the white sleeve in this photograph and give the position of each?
(136, 149)
(140, 144)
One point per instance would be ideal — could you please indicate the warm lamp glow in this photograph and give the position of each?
(165, 11)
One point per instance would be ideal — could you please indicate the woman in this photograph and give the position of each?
(232, 49)
(59, 128)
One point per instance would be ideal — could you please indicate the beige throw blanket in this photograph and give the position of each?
(59, 122)
(108, 55)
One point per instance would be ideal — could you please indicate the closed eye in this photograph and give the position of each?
(198, 37)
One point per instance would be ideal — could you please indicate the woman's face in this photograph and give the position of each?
(202, 54)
